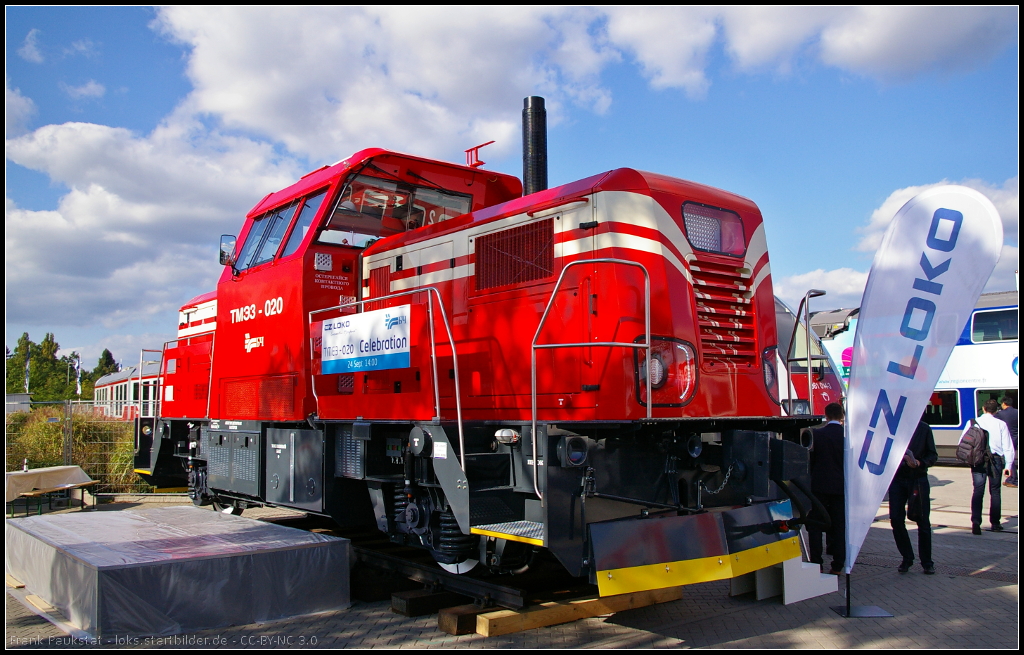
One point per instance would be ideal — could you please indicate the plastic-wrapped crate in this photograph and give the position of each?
(175, 569)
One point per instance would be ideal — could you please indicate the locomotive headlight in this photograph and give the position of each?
(672, 369)
(656, 370)
(572, 451)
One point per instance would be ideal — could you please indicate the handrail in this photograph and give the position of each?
(431, 292)
(142, 362)
(534, 346)
(805, 307)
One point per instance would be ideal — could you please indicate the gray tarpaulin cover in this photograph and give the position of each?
(174, 569)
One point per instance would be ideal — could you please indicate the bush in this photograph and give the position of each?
(104, 447)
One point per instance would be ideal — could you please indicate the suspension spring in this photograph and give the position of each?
(401, 502)
(451, 541)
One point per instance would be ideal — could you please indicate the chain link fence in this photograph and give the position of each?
(73, 432)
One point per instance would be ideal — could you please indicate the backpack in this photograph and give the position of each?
(973, 448)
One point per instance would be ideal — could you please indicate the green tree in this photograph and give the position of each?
(106, 365)
(50, 377)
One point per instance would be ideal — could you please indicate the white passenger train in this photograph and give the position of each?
(984, 363)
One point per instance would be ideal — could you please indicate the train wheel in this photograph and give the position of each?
(197, 490)
(226, 507)
(460, 567)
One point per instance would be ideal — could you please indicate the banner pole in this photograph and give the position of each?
(847, 595)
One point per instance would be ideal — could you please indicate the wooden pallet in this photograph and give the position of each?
(502, 622)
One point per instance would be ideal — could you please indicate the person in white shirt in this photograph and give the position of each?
(1001, 447)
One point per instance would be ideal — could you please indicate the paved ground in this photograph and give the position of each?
(971, 603)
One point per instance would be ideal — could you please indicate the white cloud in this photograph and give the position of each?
(1004, 278)
(29, 51)
(771, 36)
(843, 287)
(91, 89)
(137, 233)
(81, 47)
(1005, 197)
(329, 81)
(669, 43)
(900, 42)
(17, 110)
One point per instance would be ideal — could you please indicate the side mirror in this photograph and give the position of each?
(227, 249)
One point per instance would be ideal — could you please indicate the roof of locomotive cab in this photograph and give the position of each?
(329, 174)
(201, 298)
(619, 179)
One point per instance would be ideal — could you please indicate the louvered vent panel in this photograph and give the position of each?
(725, 313)
(380, 281)
(517, 255)
(260, 398)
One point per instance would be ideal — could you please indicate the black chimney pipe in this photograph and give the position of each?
(535, 145)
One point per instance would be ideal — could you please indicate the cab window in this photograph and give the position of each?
(370, 208)
(275, 233)
(309, 210)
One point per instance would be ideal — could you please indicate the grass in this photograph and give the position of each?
(104, 447)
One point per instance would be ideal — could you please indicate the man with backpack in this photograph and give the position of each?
(1000, 451)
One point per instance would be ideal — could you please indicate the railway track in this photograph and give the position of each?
(381, 567)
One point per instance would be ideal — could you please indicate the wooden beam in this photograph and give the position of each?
(13, 582)
(461, 619)
(423, 601)
(503, 622)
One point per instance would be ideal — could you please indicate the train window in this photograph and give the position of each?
(281, 219)
(713, 230)
(369, 208)
(305, 219)
(943, 408)
(999, 325)
(982, 395)
(253, 241)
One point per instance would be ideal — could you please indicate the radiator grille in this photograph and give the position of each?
(380, 281)
(259, 397)
(725, 313)
(517, 255)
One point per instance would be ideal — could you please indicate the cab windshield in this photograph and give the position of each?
(370, 208)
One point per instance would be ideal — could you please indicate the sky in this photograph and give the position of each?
(136, 136)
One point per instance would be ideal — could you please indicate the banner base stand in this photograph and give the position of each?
(859, 611)
(862, 612)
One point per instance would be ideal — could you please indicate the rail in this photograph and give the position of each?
(431, 293)
(534, 346)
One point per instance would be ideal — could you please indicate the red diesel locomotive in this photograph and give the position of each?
(588, 369)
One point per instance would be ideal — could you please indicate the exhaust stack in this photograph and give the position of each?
(535, 145)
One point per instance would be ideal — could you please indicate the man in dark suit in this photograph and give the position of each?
(1008, 415)
(913, 474)
(827, 484)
